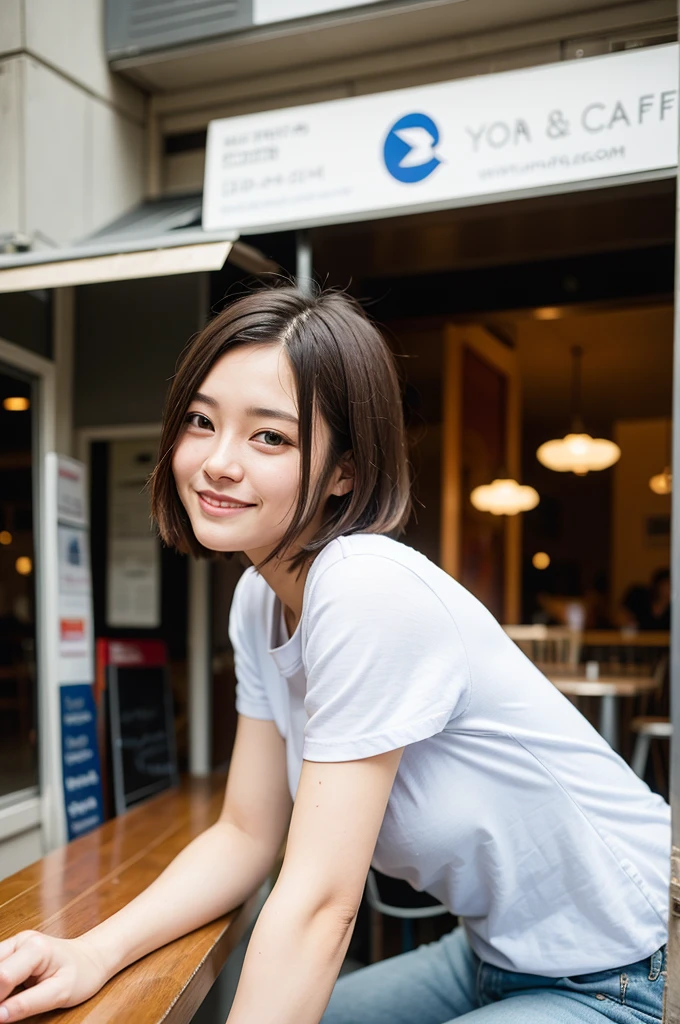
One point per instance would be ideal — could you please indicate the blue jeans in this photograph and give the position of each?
(446, 981)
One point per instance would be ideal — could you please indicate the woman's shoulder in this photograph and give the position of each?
(356, 549)
(367, 564)
(362, 572)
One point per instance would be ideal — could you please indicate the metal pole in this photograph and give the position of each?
(199, 636)
(672, 999)
(199, 674)
(303, 270)
(609, 721)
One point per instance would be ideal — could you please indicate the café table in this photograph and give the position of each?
(77, 886)
(609, 688)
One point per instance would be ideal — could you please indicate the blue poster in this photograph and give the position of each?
(80, 759)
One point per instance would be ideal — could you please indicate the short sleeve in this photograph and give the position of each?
(385, 664)
(246, 623)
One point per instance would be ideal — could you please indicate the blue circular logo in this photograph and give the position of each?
(409, 149)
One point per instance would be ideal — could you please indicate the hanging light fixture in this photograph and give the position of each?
(578, 452)
(504, 497)
(16, 403)
(662, 483)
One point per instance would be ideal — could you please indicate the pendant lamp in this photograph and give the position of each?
(662, 483)
(578, 452)
(504, 497)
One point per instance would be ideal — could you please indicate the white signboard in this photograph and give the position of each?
(76, 628)
(71, 781)
(265, 11)
(71, 492)
(440, 145)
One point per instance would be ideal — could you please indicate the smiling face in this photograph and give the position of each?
(237, 463)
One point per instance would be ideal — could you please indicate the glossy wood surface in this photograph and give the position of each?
(79, 885)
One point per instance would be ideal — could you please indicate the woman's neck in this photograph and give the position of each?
(288, 586)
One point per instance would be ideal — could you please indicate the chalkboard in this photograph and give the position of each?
(142, 733)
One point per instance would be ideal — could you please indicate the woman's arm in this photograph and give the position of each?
(216, 872)
(303, 931)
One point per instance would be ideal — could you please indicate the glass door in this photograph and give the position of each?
(18, 690)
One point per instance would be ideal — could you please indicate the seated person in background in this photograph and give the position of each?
(649, 608)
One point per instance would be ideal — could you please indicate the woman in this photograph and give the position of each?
(382, 697)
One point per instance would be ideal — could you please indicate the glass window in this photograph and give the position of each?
(18, 705)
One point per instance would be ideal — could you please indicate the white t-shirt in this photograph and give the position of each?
(507, 805)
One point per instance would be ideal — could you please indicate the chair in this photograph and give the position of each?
(548, 645)
(650, 727)
(405, 914)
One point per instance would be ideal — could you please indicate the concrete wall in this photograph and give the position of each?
(73, 150)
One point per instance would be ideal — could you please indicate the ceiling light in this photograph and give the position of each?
(662, 483)
(578, 452)
(541, 560)
(504, 497)
(16, 404)
(24, 565)
(5, 537)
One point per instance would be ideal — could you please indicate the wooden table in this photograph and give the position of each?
(625, 638)
(79, 885)
(573, 683)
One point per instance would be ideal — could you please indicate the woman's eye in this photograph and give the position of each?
(271, 438)
(197, 419)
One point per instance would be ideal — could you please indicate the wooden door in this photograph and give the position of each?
(481, 441)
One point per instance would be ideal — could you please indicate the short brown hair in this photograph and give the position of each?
(345, 371)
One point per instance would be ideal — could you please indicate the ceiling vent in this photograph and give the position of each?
(137, 27)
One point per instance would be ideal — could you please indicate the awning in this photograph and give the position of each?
(158, 238)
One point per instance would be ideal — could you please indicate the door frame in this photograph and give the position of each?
(502, 358)
(35, 806)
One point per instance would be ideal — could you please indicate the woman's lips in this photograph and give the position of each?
(221, 507)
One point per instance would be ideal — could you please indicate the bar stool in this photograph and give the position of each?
(648, 728)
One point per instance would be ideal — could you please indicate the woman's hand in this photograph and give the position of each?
(48, 972)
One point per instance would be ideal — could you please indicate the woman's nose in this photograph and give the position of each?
(222, 464)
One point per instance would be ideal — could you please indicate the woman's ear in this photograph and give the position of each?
(342, 481)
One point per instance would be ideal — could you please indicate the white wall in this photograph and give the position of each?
(11, 154)
(73, 134)
(10, 26)
(68, 35)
